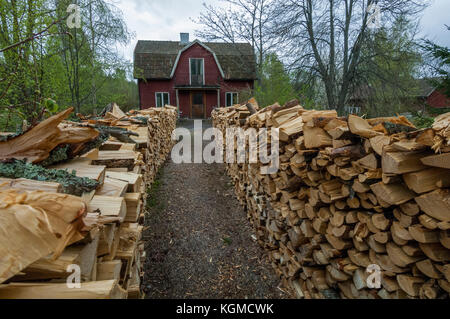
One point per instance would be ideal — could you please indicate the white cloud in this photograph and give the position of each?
(159, 19)
(434, 20)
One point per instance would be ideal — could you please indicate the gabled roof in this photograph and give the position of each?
(186, 48)
(159, 59)
(423, 88)
(426, 87)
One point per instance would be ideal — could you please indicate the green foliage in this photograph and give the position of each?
(116, 88)
(306, 87)
(425, 118)
(152, 199)
(275, 84)
(437, 111)
(51, 105)
(227, 241)
(422, 121)
(70, 183)
(155, 207)
(442, 56)
(390, 67)
(62, 66)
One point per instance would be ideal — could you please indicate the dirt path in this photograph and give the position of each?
(199, 241)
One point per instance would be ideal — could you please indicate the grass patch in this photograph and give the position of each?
(152, 200)
(229, 185)
(154, 203)
(227, 241)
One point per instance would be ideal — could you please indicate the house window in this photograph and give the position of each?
(351, 109)
(162, 99)
(197, 71)
(232, 98)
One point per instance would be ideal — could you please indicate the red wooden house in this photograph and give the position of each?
(424, 94)
(437, 99)
(194, 76)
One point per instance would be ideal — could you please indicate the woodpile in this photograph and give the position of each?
(44, 232)
(161, 125)
(350, 194)
(36, 144)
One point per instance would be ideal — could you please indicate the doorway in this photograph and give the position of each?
(197, 105)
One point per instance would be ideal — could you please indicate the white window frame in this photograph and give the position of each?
(156, 98)
(190, 71)
(226, 98)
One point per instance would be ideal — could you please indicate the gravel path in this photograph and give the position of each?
(199, 242)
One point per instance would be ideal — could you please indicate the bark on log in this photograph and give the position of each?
(36, 144)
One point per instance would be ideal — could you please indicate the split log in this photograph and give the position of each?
(427, 267)
(422, 235)
(36, 144)
(109, 206)
(361, 127)
(436, 204)
(442, 160)
(378, 143)
(71, 184)
(23, 184)
(410, 285)
(135, 182)
(290, 129)
(112, 187)
(109, 289)
(394, 194)
(117, 159)
(427, 180)
(351, 151)
(436, 252)
(316, 137)
(34, 225)
(402, 162)
(358, 191)
(48, 268)
(109, 270)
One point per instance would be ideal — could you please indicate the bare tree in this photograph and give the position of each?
(326, 37)
(239, 20)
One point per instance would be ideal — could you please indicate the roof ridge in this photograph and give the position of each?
(157, 58)
(171, 41)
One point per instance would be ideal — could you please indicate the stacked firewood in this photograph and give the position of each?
(46, 235)
(152, 136)
(161, 124)
(351, 196)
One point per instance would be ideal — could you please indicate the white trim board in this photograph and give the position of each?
(156, 99)
(190, 70)
(187, 47)
(226, 93)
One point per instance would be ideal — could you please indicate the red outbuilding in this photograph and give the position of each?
(194, 76)
(438, 99)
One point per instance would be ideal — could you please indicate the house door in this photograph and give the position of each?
(197, 105)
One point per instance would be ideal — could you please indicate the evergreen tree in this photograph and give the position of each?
(276, 84)
(442, 57)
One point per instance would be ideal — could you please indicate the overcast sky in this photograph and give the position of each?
(160, 19)
(165, 19)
